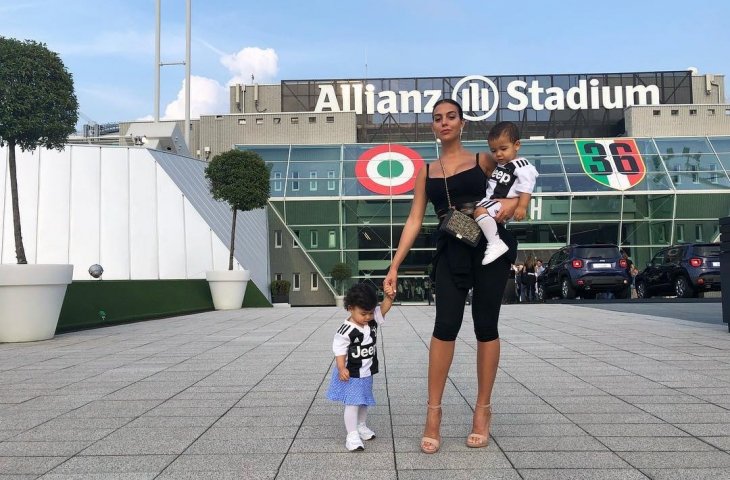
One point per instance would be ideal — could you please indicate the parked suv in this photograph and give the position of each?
(681, 270)
(584, 270)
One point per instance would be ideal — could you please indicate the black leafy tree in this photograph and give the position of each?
(38, 108)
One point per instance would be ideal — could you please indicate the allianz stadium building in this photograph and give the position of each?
(636, 159)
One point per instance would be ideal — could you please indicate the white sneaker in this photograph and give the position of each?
(494, 251)
(354, 442)
(365, 432)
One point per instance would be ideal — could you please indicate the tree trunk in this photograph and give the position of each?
(233, 239)
(19, 250)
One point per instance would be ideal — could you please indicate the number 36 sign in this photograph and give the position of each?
(613, 162)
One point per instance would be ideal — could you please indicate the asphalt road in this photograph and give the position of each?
(699, 311)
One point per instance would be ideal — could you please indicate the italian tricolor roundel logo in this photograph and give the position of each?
(613, 162)
(388, 169)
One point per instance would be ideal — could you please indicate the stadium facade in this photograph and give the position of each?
(638, 159)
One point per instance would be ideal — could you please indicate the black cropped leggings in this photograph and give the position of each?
(489, 284)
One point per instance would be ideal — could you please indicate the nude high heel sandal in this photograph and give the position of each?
(431, 445)
(476, 440)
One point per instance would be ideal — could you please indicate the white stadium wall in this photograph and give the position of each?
(141, 214)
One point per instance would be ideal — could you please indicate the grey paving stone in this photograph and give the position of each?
(582, 443)
(581, 474)
(145, 441)
(634, 430)
(687, 473)
(99, 476)
(715, 459)
(461, 474)
(655, 444)
(584, 460)
(42, 449)
(113, 464)
(28, 465)
(723, 443)
(262, 464)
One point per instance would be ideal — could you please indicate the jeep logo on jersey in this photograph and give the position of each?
(615, 163)
(388, 169)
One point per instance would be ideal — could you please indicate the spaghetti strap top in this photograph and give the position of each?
(468, 186)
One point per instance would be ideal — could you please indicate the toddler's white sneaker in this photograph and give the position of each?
(494, 251)
(365, 432)
(354, 442)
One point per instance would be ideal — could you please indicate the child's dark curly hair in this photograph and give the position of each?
(361, 295)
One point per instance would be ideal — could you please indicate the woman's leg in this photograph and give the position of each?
(440, 357)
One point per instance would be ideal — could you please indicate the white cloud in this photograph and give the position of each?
(263, 64)
(207, 96)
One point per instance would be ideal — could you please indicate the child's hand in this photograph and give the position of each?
(344, 374)
(390, 292)
(520, 213)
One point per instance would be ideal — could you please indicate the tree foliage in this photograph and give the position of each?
(38, 107)
(341, 272)
(239, 178)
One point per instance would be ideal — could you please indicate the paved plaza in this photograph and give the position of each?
(582, 393)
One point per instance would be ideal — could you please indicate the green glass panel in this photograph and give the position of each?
(640, 207)
(594, 232)
(714, 206)
(603, 207)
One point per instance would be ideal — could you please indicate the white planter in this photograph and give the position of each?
(31, 297)
(228, 287)
(340, 301)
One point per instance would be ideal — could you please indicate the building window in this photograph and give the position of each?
(242, 121)
(259, 121)
(332, 239)
(277, 238)
(330, 119)
(295, 240)
(680, 233)
(277, 181)
(312, 119)
(277, 120)
(727, 111)
(314, 279)
(296, 282)
(314, 238)
(330, 182)
(676, 178)
(295, 181)
(675, 113)
(693, 111)
(695, 175)
(713, 174)
(294, 120)
(313, 183)
(710, 111)
(656, 112)
(698, 232)
(277, 276)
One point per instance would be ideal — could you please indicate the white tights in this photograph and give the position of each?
(355, 414)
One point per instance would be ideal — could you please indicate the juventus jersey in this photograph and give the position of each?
(358, 344)
(509, 180)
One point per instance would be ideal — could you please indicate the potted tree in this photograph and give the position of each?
(341, 273)
(38, 108)
(241, 179)
(280, 291)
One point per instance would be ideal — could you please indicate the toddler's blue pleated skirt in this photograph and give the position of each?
(355, 391)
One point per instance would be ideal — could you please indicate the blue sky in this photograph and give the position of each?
(108, 45)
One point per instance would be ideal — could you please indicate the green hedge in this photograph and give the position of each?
(90, 304)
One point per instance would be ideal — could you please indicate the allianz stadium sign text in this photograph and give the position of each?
(479, 96)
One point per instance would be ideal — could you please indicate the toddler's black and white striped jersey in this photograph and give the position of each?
(509, 180)
(358, 344)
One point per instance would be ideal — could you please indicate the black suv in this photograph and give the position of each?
(584, 270)
(681, 270)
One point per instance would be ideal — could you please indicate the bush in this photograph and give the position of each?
(280, 287)
(341, 272)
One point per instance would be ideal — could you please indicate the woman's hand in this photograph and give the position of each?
(390, 283)
(507, 211)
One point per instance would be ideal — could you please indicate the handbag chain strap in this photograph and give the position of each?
(443, 170)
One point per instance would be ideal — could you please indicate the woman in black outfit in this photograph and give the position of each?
(457, 268)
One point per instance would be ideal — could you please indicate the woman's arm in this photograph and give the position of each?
(509, 205)
(410, 230)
